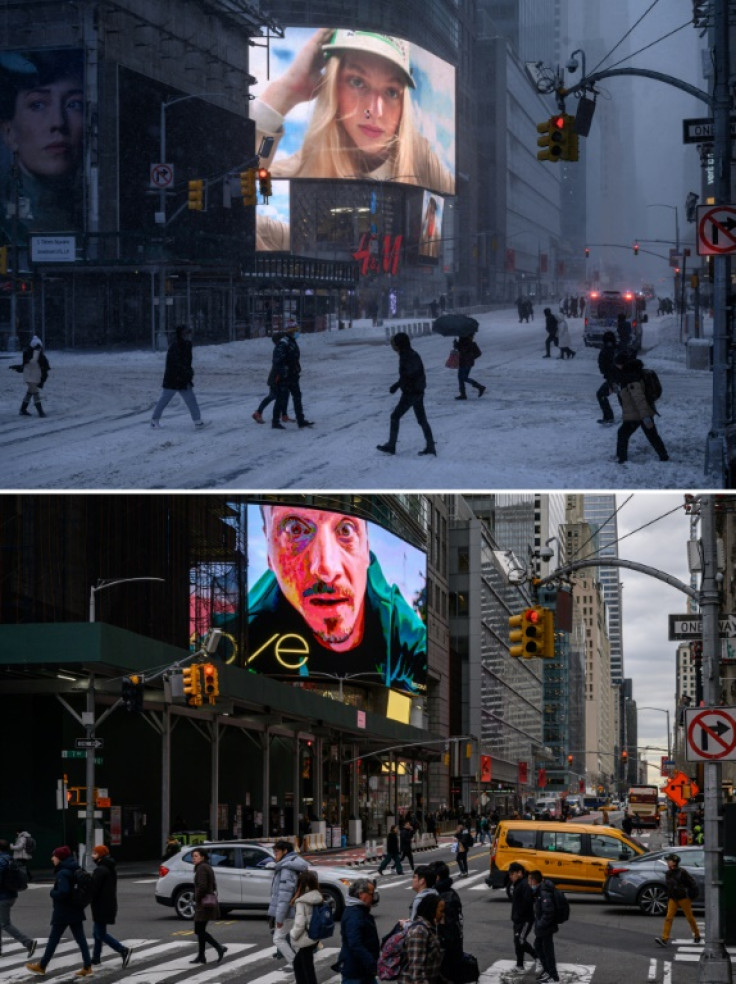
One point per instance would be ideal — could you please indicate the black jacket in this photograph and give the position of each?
(392, 843)
(450, 931)
(179, 373)
(550, 323)
(678, 881)
(412, 380)
(545, 917)
(286, 361)
(65, 911)
(522, 905)
(360, 944)
(605, 362)
(104, 891)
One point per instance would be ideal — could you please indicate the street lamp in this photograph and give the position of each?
(662, 710)
(88, 721)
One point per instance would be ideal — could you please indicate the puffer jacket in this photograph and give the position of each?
(412, 379)
(285, 874)
(179, 374)
(634, 405)
(360, 948)
(303, 907)
(65, 912)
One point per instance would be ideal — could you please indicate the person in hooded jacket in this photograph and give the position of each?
(287, 369)
(35, 369)
(65, 913)
(178, 378)
(522, 913)
(545, 925)
(105, 905)
(206, 906)
(286, 871)
(272, 388)
(636, 410)
(468, 351)
(412, 382)
(360, 949)
(450, 930)
(606, 358)
(8, 898)
(304, 899)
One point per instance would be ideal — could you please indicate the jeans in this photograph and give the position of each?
(167, 395)
(6, 925)
(283, 391)
(304, 965)
(522, 946)
(100, 936)
(57, 931)
(407, 401)
(602, 395)
(625, 431)
(545, 947)
(463, 377)
(387, 859)
(462, 862)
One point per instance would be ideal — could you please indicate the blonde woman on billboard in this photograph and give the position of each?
(361, 125)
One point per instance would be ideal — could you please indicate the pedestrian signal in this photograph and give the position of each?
(195, 199)
(192, 685)
(248, 186)
(211, 682)
(264, 183)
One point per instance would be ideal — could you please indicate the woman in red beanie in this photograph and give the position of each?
(105, 905)
(65, 913)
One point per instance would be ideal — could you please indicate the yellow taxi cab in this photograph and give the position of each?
(574, 856)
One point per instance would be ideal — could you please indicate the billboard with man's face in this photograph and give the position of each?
(351, 104)
(42, 123)
(329, 596)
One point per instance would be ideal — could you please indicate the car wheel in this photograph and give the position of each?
(184, 902)
(334, 898)
(652, 900)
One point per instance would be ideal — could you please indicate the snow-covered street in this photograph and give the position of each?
(534, 428)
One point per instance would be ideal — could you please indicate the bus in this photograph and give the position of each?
(601, 314)
(644, 804)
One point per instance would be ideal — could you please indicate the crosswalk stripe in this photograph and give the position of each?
(498, 972)
(67, 955)
(469, 882)
(173, 968)
(278, 976)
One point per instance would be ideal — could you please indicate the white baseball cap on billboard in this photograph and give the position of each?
(395, 50)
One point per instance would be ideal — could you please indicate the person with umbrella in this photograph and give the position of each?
(412, 382)
(468, 351)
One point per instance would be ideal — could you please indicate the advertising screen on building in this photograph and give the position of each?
(354, 104)
(329, 595)
(42, 117)
(430, 237)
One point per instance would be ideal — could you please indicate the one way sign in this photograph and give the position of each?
(711, 734)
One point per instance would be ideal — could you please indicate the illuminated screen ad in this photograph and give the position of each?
(42, 118)
(328, 595)
(353, 104)
(430, 237)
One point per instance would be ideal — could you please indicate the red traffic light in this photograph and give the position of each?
(636, 249)
(559, 122)
(532, 615)
(262, 172)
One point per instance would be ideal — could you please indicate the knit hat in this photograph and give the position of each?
(101, 850)
(36, 342)
(62, 853)
(393, 49)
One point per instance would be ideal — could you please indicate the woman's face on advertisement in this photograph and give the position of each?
(46, 130)
(370, 98)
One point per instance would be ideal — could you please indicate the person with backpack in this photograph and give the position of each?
(638, 407)
(286, 871)
(393, 854)
(105, 905)
(360, 945)
(681, 891)
(421, 955)
(287, 369)
(206, 906)
(464, 842)
(13, 879)
(422, 883)
(545, 925)
(305, 899)
(412, 382)
(468, 351)
(450, 930)
(23, 847)
(67, 910)
(522, 913)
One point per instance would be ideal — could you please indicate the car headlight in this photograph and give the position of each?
(347, 882)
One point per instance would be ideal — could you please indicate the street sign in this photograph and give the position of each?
(716, 225)
(701, 130)
(89, 743)
(161, 176)
(691, 627)
(680, 789)
(710, 733)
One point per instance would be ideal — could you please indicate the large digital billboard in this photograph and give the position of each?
(351, 104)
(329, 595)
(42, 120)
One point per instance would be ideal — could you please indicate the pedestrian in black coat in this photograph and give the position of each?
(105, 905)
(468, 351)
(407, 834)
(272, 387)
(393, 852)
(450, 930)
(545, 925)
(206, 906)
(606, 358)
(287, 369)
(522, 912)
(178, 378)
(550, 324)
(66, 913)
(412, 382)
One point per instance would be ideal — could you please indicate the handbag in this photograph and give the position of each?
(454, 846)
(467, 971)
(209, 899)
(453, 360)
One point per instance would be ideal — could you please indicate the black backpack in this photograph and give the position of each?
(562, 906)
(15, 877)
(81, 887)
(652, 386)
(30, 844)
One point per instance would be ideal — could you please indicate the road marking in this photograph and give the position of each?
(272, 977)
(667, 972)
(459, 883)
(498, 973)
(652, 975)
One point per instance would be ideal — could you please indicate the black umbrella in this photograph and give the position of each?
(454, 324)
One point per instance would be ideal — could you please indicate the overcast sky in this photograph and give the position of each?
(649, 658)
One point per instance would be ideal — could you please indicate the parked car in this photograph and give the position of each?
(243, 870)
(573, 855)
(640, 881)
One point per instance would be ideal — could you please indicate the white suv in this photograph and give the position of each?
(244, 876)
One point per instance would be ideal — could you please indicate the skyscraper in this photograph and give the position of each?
(600, 513)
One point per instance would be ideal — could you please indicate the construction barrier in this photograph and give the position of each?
(412, 329)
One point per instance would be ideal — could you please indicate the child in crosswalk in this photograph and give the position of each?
(306, 896)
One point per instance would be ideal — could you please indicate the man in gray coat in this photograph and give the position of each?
(285, 873)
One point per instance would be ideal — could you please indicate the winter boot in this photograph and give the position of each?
(39, 409)
(24, 408)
